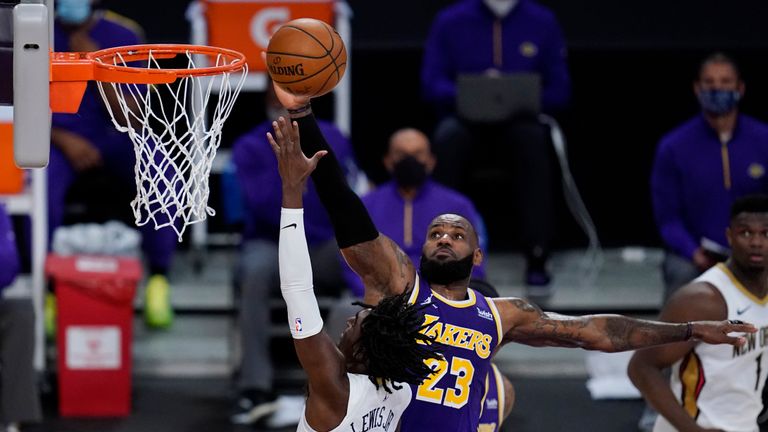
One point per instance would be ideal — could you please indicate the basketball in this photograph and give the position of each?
(306, 57)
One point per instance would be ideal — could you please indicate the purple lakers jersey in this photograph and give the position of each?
(468, 332)
(493, 402)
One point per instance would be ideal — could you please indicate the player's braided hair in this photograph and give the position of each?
(391, 343)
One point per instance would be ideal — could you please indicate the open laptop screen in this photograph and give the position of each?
(487, 99)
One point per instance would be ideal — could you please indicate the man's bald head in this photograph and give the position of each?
(409, 142)
(459, 221)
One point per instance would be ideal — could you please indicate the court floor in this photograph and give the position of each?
(185, 405)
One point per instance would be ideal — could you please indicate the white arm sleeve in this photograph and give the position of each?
(296, 276)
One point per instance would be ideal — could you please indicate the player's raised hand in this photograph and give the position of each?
(717, 332)
(293, 166)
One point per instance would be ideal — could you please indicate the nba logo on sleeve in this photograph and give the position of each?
(297, 324)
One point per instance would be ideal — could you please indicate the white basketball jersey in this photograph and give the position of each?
(368, 408)
(721, 385)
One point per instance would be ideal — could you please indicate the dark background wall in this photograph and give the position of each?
(632, 65)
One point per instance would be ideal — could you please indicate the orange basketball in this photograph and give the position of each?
(306, 57)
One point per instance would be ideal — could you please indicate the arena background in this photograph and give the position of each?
(632, 65)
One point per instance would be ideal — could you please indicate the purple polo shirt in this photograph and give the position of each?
(9, 255)
(259, 180)
(690, 174)
(461, 41)
(390, 212)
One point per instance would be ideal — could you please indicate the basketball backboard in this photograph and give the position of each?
(25, 44)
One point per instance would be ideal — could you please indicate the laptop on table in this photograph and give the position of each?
(486, 98)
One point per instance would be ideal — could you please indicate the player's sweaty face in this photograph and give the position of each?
(748, 234)
(449, 238)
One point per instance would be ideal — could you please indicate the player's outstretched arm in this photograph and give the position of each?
(383, 267)
(525, 323)
(693, 302)
(319, 356)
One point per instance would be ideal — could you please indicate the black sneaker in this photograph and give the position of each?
(538, 282)
(536, 274)
(252, 406)
(537, 278)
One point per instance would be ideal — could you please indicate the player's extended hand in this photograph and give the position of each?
(293, 166)
(716, 332)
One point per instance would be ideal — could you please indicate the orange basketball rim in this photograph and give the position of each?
(71, 71)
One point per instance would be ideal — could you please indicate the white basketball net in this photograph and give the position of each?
(174, 142)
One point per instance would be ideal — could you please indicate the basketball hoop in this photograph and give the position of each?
(160, 96)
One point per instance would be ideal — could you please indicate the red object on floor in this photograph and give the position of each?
(94, 296)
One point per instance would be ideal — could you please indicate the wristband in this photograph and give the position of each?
(306, 109)
(688, 331)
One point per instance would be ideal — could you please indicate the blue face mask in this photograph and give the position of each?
(719, 101)
(73, 12)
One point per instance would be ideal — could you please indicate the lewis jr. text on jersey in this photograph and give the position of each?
(378, 419)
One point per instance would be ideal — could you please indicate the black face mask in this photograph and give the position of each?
(445, 272)
(409, 172)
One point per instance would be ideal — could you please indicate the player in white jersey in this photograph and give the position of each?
(716, 387)
(361, 385)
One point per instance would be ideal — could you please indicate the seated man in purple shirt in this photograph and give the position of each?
(87, 145)
(257, 274)
(494, 37)
(701, 167)
(19, 400)
(403, 207)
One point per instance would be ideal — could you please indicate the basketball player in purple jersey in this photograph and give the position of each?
(499, 395)
(498, 401)
(471, 327)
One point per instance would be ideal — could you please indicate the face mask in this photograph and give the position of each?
(719, 101)
(501, 8)
(409, 172)
(445, 272)
(73, 11)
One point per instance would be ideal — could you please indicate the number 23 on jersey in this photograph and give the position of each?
(456, 396)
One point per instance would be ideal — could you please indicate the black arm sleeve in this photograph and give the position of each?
(348, 214)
